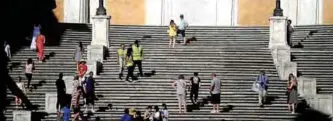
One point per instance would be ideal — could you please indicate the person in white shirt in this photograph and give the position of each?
(20, 85)
(165, 112)
(7, 50)
(182, 28)
(180, 85)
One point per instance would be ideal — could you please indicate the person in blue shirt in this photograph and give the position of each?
(262, 79)
(126, 116)
(66, 113)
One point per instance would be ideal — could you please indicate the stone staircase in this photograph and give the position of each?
(315, 59)
(235, 54)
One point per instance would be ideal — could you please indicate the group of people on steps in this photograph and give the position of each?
(130, 58)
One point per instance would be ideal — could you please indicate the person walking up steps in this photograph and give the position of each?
(20, 85)
(195, 85)
(78, 55)
(172, 33)
(29, 68)
(182, 27)
(137, 56)
(262, 79)
(35, 33)
(180, 86)
(121, 58)
(40, 47)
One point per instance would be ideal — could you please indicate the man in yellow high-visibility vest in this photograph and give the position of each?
(137, 56)
(121, 58)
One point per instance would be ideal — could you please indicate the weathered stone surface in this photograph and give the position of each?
(307, 87)
(69, 84)
(281, 58)
(278, 31)
(50, 102)
(322, 103)
(21, 115)
(96, 53)
(92, 67)
(100, 30)
(288, 68)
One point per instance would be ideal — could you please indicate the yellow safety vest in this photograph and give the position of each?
(129, 62)
(137, 53)
(121, 52)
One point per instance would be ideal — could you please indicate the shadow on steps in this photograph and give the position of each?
(308, 114)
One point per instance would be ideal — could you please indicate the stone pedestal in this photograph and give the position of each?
(278, 31)
(92, 67)
(307, 87)
(281, 57)
(288, 68)
(69, 84)
(100, 30)
(322, 103)
(21, 115)
(95, 53)
(76, 11)
(50, 102)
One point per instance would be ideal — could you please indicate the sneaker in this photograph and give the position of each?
(213, 111)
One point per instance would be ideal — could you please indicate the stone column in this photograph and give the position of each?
(278, 31)
(69, 84)
(21, 115)
(76, 11)
(50, 102)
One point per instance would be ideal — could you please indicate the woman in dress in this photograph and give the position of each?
(172, 33)
(292, 96)
(35, 33)
(29, 67)
(40, 47)
(78, 54)
(20, 85)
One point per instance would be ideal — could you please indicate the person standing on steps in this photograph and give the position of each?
(293, 95)
(78, 54)
(215, 91)
(29, 68)
(130, 67)
(121, 58)
(20, 85)
(182, 27)
(195, 85)
(40, 47)
(172, 33)
(61, 92)
(82, 71)
(7, 50)
(35, 33)
(165, 112)
(90, 91)
(262, 79)
(180, 86)
(137, 56)
(290, 30)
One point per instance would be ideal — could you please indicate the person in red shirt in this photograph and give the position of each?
(40, 47)
(82, 70)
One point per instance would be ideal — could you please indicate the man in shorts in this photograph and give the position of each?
(215, 91)
(180, 85)
(182, 27)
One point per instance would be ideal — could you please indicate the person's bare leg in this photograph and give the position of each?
(179, 106)
(170, 41)
(174, 42)
(289, 107)
(293, 108)
(217, 108)
(185, 110)
(184, 40)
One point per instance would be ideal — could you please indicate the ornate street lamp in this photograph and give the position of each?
(278, 10)
(101, 10)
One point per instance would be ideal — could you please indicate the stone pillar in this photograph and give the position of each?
(281, 57)
(69, 84)
(21, 115)
(50, 102)
(76, 11)
(92, 67)
(322, 103)
(278, 31)
(100, 30)
(307, 87)
(95, 53)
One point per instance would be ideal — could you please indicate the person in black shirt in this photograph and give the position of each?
(61, 92)
(195, 85)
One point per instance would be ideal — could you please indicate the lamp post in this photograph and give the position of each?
(101, 10)
(278, 11)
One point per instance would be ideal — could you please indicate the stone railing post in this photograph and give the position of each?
(69, 84)
(279, 48)
(50, 102)
(307, 87)
(100, 39)
(21, 115)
